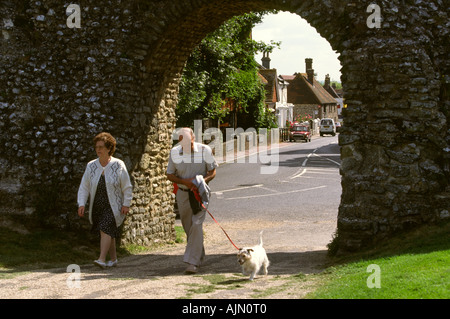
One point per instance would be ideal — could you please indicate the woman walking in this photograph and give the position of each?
(107, 185)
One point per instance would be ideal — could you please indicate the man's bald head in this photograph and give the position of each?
(186, 137)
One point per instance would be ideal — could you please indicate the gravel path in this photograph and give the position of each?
(160, 273)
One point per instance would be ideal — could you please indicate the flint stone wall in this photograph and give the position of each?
(120, 71)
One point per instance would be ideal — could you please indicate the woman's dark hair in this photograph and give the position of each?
(108, 139)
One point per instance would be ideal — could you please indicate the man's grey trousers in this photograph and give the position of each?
(193, 227)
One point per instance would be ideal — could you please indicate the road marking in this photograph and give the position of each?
(271, 190)
(338, 164)
(328, 169)
(322, 173)
(326, 178)
(313, 171)
(236, 189)
(304, 165)
(299, 174)
(278, 194)
(306, 159)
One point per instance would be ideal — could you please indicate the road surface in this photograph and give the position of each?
(298, 203)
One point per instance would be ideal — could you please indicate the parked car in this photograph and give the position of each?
(338, 126)
(327, 126)
(300, 132)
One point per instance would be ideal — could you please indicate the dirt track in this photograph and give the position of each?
(159, 274)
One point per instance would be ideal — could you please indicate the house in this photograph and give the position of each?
(276, 100)
(337, 94)
(276, 92)
(308, 96)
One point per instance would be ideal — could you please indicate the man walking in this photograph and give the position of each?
(187, 160)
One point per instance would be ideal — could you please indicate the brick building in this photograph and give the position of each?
(334, 92)
(276, 92)
(308, 95)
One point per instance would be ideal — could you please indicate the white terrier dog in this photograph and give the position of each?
(253, 258)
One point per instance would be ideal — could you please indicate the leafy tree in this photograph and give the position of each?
(223, 68)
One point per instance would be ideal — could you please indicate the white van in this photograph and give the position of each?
(327, 126)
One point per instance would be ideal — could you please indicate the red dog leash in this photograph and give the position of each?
(199, 199)
(197, 196)
(219, 226)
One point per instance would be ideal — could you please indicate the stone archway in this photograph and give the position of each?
(119, 73)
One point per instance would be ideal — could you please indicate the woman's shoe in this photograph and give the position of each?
(111, 263)
(100, 264)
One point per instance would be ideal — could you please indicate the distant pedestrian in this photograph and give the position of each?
(107, 185)
(187, 161)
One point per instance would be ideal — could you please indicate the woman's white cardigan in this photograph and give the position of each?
(118, 186)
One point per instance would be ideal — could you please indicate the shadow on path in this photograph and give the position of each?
(160, 265)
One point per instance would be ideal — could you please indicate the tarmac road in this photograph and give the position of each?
(296, 206)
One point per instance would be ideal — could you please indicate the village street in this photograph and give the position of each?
(300, 199)
(296, 208)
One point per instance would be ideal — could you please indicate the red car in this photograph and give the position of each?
(300, 132)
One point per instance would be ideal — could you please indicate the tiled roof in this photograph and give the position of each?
(317, 90)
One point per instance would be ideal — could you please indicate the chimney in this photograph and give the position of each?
(327, 81)
(266, 60)
(309, 70)
(308, 64)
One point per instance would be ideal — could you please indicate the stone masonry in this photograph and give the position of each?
(119, 72)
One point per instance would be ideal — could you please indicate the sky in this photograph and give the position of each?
(299, 40)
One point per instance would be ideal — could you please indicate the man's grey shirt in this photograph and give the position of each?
(198, 162)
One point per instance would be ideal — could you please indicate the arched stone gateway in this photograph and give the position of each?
(120, 70)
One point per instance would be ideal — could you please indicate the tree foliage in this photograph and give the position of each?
(223, 68)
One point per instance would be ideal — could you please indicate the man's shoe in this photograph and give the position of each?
(100, 264)
(191, 269)
(111, 263)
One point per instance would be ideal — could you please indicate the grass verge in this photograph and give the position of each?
(413, 265)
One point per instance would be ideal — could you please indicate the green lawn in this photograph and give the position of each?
(413, 266)
(407, 276)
